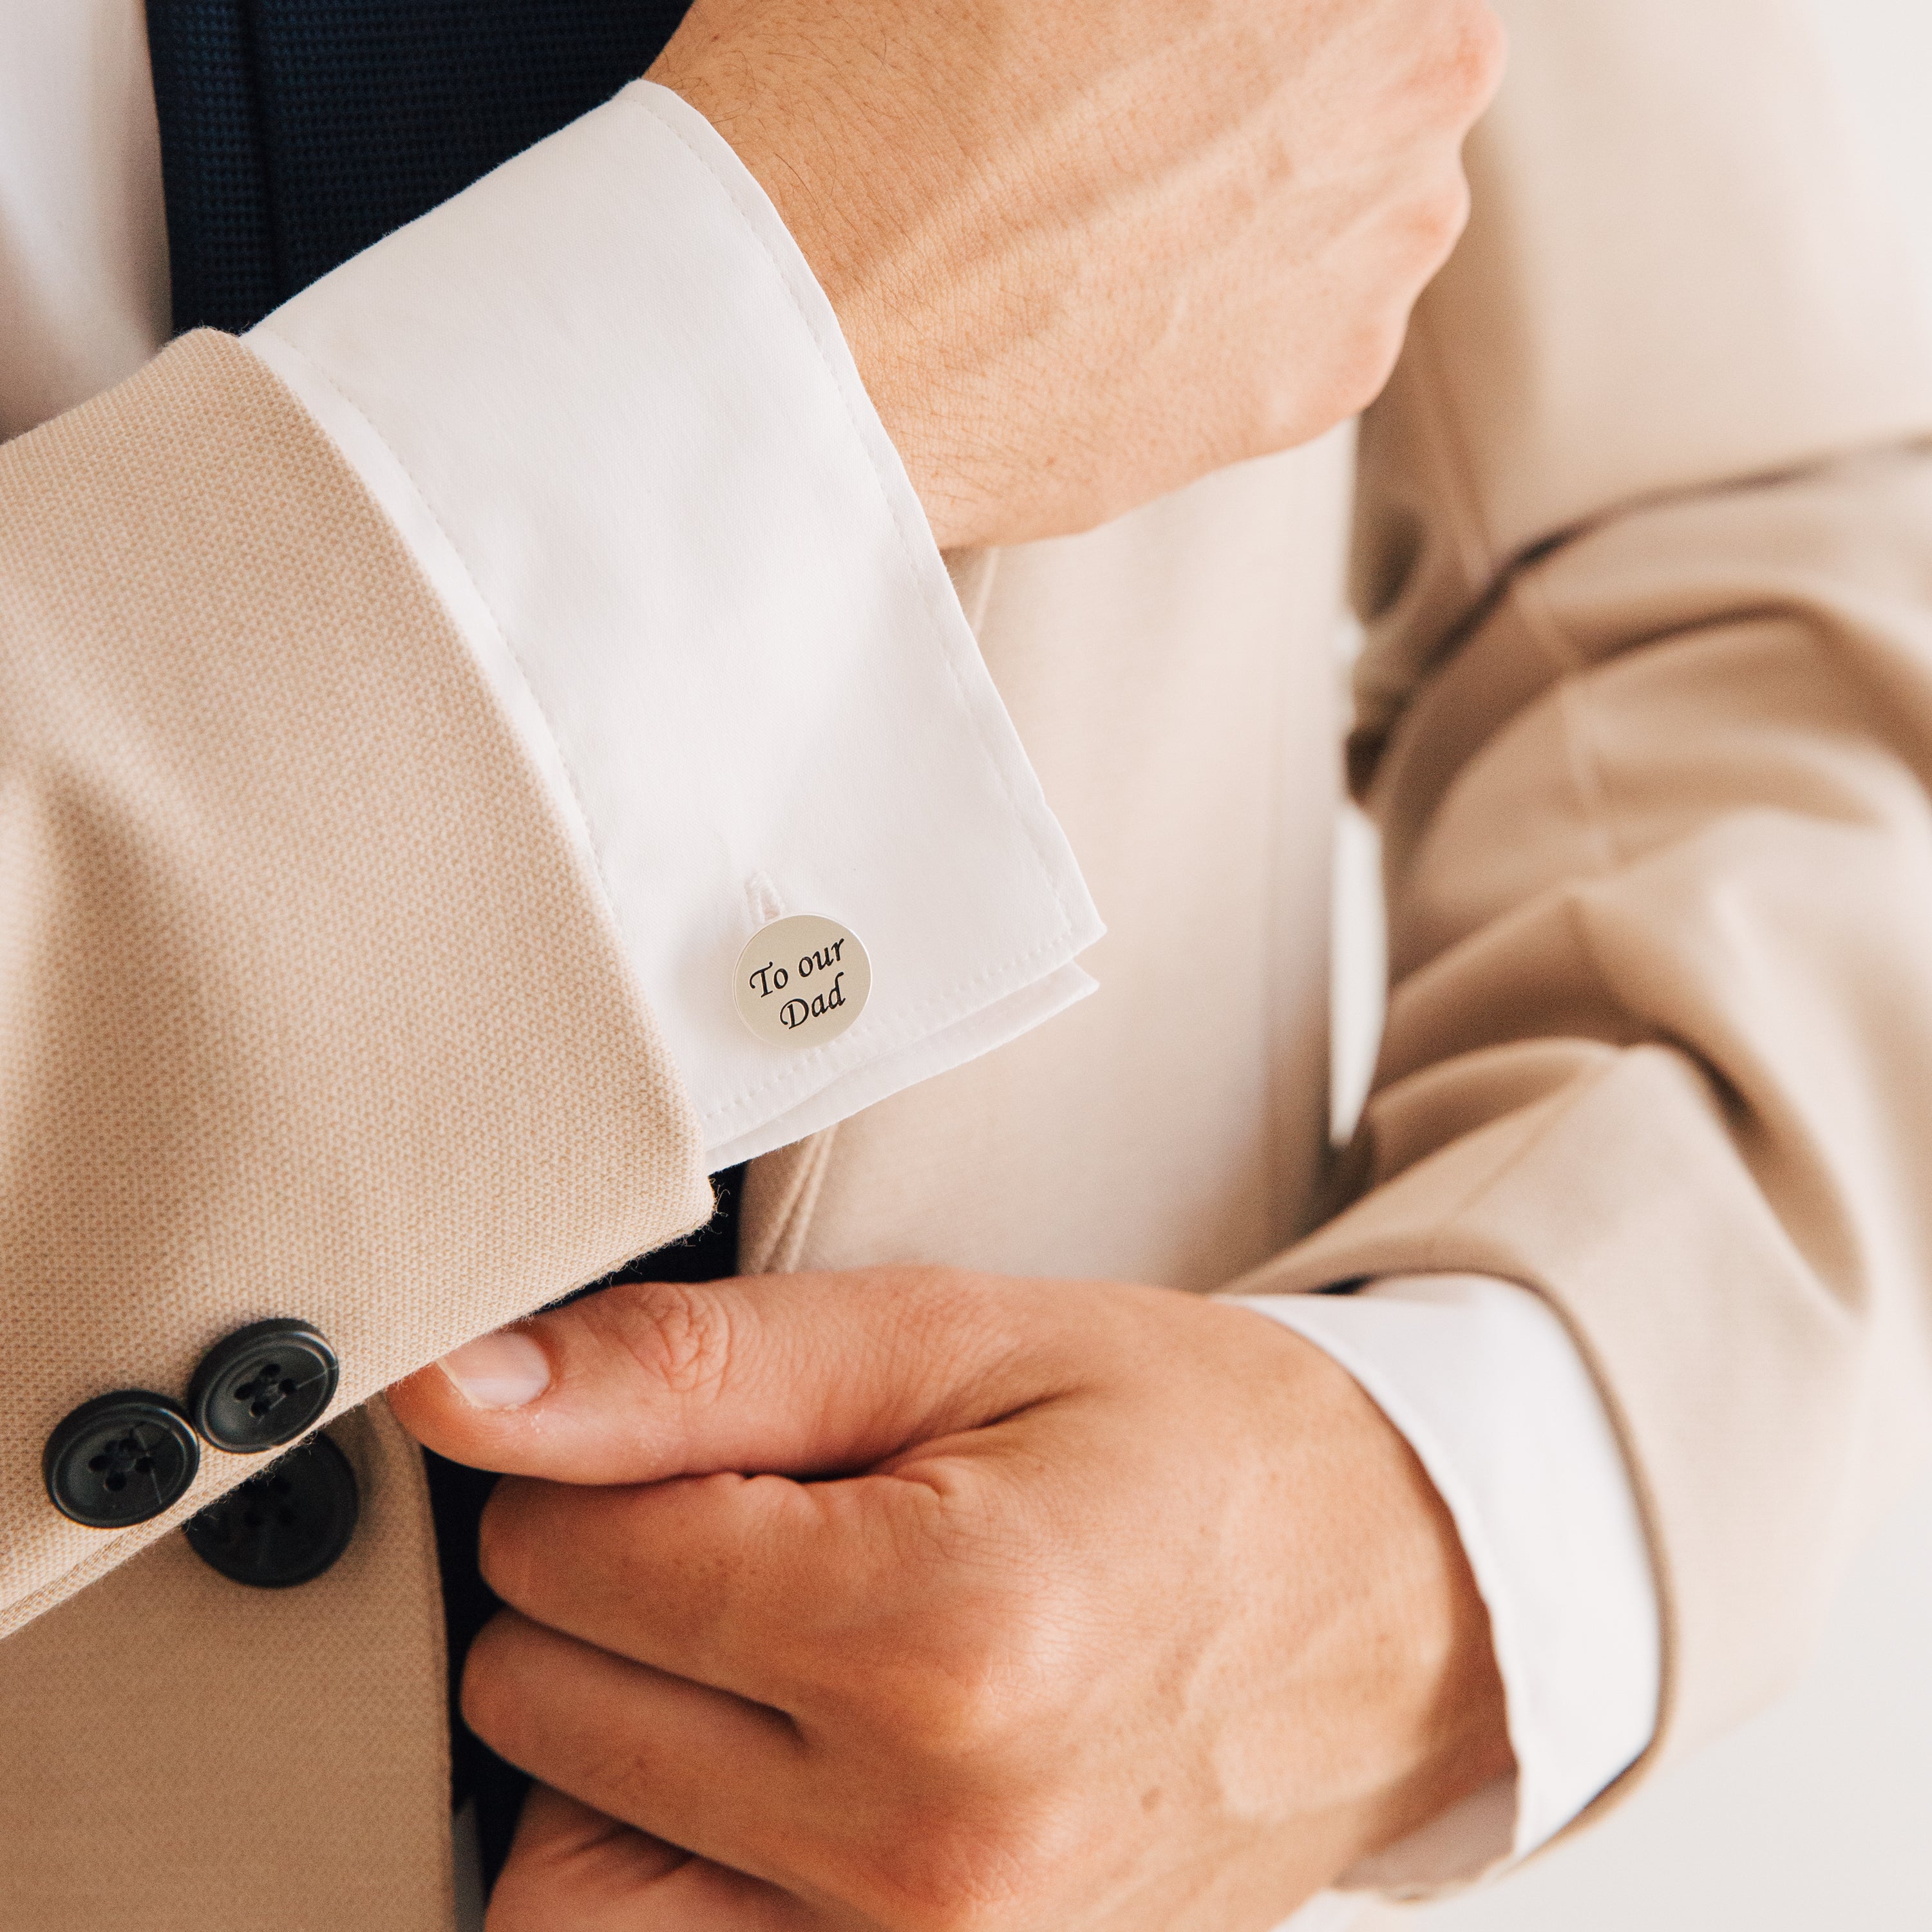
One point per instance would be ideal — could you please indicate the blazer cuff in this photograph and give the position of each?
(604, 402)
(1482, 1378)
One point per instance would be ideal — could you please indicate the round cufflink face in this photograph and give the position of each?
(801, 981)
(283, 1526)
(120, 1459)
(263, 1386)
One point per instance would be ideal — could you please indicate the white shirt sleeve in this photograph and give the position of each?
(604, 400)
(1484, 1381)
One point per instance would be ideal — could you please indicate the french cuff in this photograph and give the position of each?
(605, 403)
(1482, 1378)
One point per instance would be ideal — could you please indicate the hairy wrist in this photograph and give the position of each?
(821, 144)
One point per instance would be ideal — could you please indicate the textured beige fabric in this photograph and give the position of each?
(182, 1754)
(1659, 1047)
(303, 1009)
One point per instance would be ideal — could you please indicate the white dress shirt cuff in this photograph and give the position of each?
(1483, 1380)
(607, 406)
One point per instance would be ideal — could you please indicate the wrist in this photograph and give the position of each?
(805, 135)
(1411, 1685)
(1443, 1710)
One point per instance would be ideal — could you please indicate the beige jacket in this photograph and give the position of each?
(305, 1009)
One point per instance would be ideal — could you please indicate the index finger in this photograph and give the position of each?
(757, 1584)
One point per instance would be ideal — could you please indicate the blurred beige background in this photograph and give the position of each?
(1817, 1817)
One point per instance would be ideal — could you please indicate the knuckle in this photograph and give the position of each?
(955, 1712)
(953, 1869)
(978, 1698)
(496, 1551)
(1478, 53)
(1363, 364)
(492, 1693)
(1440, 218)
(679, 1334)
(503, 1547)
(1292, 408)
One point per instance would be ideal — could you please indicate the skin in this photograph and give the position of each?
(1084, 253)
(941, 1602)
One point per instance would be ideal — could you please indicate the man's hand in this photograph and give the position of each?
(914, 1600)
(1085, 252)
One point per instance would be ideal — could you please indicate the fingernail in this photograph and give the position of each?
(504, 1370)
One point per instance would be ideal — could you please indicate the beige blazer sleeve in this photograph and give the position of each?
(1645, 559)
(305, 1008)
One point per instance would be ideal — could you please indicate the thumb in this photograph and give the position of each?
(792, 1374)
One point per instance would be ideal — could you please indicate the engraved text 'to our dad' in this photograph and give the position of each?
(803, 981)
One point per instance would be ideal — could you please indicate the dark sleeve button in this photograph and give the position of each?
(120, 1459)
(263, 1386)
(284, 1526)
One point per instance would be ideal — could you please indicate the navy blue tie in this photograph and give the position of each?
(294, 133)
